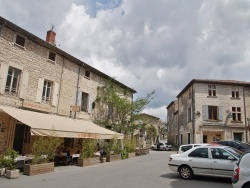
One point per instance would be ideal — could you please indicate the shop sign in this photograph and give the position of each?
(36, 106)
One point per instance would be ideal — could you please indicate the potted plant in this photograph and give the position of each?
(88, 148)
(43, 152)
(130, 147)
(114, 151)
(9, 162)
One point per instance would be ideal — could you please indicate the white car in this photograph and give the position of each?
(162, 146)
(186, 147)
(241, 177)
(205, 160)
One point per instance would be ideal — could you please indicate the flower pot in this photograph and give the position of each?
(2, 171)
(11, 174)
(35, 169)
(115, 157)
(88, 161)
(103, 159)
(131, 154)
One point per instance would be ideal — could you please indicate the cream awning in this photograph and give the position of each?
(47, 125)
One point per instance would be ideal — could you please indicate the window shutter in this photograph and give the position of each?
(55, 94)
(90, 103)
(79, 98)
(24, 85)
(3, 77)
(205, 112)
(39, 91)
(220, 113)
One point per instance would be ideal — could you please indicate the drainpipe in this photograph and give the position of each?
(178, 128)
(60, 87)
(193, 113)
(245, 113)
(77, 88)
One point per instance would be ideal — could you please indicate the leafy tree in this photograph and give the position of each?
(121, 112)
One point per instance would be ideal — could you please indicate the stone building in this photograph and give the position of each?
(211, 110)
(37, 76)
(172, 122)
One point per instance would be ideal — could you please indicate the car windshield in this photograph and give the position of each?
(234, 151)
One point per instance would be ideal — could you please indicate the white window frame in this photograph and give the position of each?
(235, 94)
(212, 90)
(10, 90)
(236, 114)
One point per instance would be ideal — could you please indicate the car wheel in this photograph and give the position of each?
(185, 172)
(247, 185)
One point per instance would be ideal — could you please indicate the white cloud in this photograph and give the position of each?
(147, 45)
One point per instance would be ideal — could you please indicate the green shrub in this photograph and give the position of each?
(8, 158)
(124, 154)
(88, 148)
(44, 149)
(129, 145)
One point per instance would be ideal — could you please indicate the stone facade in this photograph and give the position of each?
(172, 123)
(37, 64)
(211, 110)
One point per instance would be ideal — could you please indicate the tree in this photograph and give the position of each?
(121, 112)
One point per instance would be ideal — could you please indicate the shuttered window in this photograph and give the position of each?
(12, 82)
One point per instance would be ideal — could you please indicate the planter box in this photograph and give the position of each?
(131, 155)
(35, 169)
(11, 174)
(111, 158)
(88, 162)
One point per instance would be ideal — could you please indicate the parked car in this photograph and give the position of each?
(161, 146)
(234, 144)
(241, 176)
(186, 147)
(207, 160)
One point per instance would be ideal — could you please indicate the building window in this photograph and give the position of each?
(189, 114)
(12, 82)
(236, 113)
(84, 102)
(235, 94)
(47, 88)
(87, 73)
(189, 140)
(212, 90)
(52, 56)
(125, 92)
(20, 40)
(176, 139)
(212, 113)
(189, 93)
(181, 139)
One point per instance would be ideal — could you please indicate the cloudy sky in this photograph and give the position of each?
(146, 44)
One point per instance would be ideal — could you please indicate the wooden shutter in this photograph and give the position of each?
(39, 91)
(55, 94)
(24, 85)
(205, 112)
(3, 77)
(90, 103)
(220, 113)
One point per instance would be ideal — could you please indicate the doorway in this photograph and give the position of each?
(18, 139)
(204, 138)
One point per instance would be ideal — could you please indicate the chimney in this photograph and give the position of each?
(51, 37)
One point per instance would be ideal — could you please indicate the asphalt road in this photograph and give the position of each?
(148, 171)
